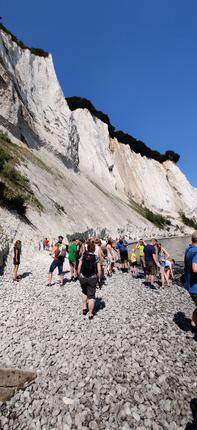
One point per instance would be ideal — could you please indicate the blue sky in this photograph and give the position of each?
(136, 60)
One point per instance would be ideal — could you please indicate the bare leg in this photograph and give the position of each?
(61, 279)
(162, 279)
(71, 271)
(152, 279)
(135, 270)
(50, 278)
(15, 271)
(75, 273)
(91, 303)
(167, 276)
(194, 318)
(84, 301)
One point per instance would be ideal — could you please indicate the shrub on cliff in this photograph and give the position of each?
(83, 103)
(190, 222)
(173, 156)
(35, 51)
(158, 220)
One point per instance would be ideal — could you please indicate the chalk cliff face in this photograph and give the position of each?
(160, 187)
(93, 176)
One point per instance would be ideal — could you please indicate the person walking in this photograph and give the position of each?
(72, 257)
(88, 269)
(99, 254)
(122, 247)
(164, 269)
(140, 246)
(151, 261)
(110, 257)
(16, 259)
(59, 253)
(190, 270)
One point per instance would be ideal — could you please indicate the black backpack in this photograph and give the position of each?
(88, 267)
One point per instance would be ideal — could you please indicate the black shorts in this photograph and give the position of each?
(88, 286)
(133, 263)
(194, 298)
(58, 264)
(124, 256)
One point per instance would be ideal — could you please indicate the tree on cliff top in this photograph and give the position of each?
(136, 145)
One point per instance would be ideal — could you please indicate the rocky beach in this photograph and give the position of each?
(132, 367)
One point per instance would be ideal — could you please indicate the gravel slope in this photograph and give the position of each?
(132, 367)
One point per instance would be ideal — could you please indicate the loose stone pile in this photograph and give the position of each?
(132, 367)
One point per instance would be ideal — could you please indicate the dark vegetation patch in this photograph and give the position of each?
(60, 208)
(190, 222)
(156, 219)
(136, 145)
(35, 51)
(15, 189)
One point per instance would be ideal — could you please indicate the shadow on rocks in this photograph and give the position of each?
(25, 275)
(182, 321)
(140, 275)
(99, 305)
(184, 324)
(66, 281)
(193, 425)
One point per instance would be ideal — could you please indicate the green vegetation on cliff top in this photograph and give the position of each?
(35, 51)
(136, 145)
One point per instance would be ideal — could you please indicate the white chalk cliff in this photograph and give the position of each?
(95, 178)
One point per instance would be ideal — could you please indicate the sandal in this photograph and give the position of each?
(85, 311)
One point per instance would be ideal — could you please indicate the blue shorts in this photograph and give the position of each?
(58, 264)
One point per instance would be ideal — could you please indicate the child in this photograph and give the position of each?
(133, 262)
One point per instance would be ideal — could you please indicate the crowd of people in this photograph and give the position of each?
(91, 260)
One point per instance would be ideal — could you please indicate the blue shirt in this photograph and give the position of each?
(149, 250)
(122, 246)
(190, 276)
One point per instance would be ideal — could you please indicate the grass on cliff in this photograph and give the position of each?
(15, 189)
(157, 219)
(190, 222)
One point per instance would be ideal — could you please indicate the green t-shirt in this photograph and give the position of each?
(72, 252)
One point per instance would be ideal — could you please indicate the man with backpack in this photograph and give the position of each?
(191, 274)
(59, 253)
(88, 269)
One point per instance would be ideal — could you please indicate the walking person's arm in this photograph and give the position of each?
(155, 260)
(79, 267)
(194, 267)
(165, 252)
(99, 271)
